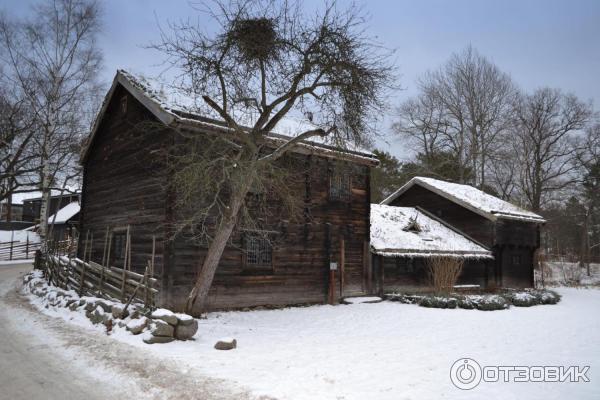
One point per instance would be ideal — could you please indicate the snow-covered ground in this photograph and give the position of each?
(390, 350)
(19, 236)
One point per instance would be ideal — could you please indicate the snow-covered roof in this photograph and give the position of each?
(65, 213)
(391, 235)
(472, 198)
(173, 106)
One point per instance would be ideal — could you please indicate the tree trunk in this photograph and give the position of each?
(45, 201)
(206, 274)
(9, 208)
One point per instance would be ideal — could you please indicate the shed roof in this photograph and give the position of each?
(391, 235)
(476, 200)
(65, 214)
(173, 107)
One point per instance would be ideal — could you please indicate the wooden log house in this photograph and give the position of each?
(125, 187)
(510, 232)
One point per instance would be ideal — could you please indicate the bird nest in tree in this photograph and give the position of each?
(254, 37)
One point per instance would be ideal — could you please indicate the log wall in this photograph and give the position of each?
(301, 252)
(125, 185)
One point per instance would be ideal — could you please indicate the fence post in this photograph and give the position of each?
(12, 236)
(83, 264)
(27, 247)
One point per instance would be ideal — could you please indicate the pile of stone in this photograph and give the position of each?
(164, 326)
(158, 326)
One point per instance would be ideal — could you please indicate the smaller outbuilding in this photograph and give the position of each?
(404, 239)
(509, 231)
(65, 222)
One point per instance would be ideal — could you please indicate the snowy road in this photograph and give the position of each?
(32, 368)
(42, 358)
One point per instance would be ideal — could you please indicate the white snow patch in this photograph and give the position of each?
(470, 196)
(19, 236)
(360, 300)
(389, 235)
(388, 350)
(162, 312)
(65, 213)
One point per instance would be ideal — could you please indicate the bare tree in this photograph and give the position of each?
(53, 59)
(545, 124)
(588, 188)
(17, 161)
(463, 108)
(422, 120)
(266, 61)
(502, 171)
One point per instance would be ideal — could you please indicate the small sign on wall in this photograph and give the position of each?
(333, 266)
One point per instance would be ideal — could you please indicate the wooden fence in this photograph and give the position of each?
(16, 250)
(92, 279)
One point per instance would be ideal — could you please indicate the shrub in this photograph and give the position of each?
(492, 303)
(523, 299)
(438, 302)
(404, 298)
(467, 303)
(443, 272)
(547, 296)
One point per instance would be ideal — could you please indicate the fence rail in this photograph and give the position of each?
(92, 279)
(16, 250)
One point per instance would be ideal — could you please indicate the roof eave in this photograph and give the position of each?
(169, 119)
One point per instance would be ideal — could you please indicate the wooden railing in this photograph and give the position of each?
(92, 279)
(17, 250)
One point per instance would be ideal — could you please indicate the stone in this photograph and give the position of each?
(186, 332)
(89, 306)
(165, 315)
(136, 326)
(150, 339)
(184, 319)
(161, 328)
(226, 344)
(73, 306)
(96, 316)
(72, 301)
(118, 311)
(106, 318)
(106, 306)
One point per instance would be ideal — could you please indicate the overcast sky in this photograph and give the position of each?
(538, 42)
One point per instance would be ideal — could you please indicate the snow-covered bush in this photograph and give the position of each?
(467, 303)
(438, 302)
(547, 296)
(523, 299)
(492, 302)
(404, 298)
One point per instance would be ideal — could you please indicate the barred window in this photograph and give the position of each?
(259, 251)
(340, 185)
